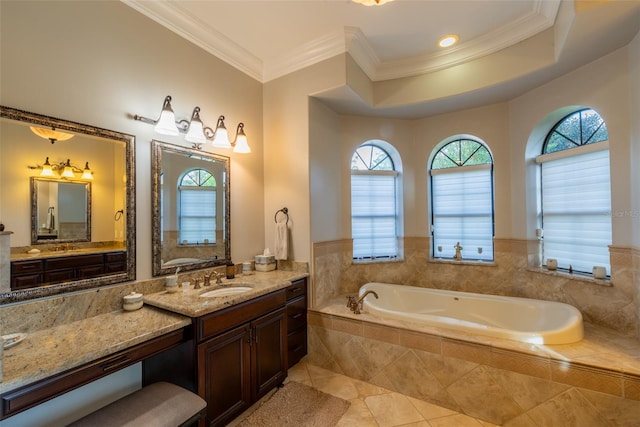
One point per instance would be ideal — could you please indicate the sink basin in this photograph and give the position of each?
(225, 292)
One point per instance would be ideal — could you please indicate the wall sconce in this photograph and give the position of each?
(196, 132)
(65, 169)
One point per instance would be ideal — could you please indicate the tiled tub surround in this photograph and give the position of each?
(613, 303)
(595, 382)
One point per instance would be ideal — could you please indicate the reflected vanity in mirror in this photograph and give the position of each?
(190, 202)
(70, 230)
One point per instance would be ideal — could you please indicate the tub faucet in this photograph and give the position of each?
(355, 305)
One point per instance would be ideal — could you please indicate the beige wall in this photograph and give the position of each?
(287, 148)
(100, 62)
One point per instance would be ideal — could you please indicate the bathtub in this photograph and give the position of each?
(519, 319)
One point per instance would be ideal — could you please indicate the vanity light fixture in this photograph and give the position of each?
(196, 132)
(51, 134)
(66, 169)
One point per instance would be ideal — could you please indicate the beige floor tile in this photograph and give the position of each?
(339, 386)
(458, 420)
(429, 410)
(317, 372)
(299, 373)
(392, 409)
(358, 415)
(367, 389)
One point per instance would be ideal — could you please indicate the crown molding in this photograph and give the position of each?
(351, 40)
(307, 54)
(198, 32)
(539, 19)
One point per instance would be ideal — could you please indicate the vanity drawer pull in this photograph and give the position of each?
(297, 316)
(116, 363)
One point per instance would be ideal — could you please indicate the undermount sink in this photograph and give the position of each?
(225, 292)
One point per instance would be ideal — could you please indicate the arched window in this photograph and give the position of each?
(576, 192)
(197, 207)
(461, 174)
(375, 202)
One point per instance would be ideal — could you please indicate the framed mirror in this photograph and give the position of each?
(75, 227)
(190, 203)
(60, 211)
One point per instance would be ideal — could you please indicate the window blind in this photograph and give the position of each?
(462, 209)
(373, 215)
(576, 210)
(195, 224)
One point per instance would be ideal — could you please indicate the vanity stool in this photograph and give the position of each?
(159, 404)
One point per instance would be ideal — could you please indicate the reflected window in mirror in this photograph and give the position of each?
(197, 208)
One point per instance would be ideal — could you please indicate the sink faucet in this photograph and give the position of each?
(218, 275)
(355, 305)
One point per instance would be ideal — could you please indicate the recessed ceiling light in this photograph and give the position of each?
(372, 2)
(448, 40)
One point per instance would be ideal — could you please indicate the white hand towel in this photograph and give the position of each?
(281, 246)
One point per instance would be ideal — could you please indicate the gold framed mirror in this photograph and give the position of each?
(190, 209)
(99, 245)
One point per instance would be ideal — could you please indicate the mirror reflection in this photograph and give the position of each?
(71, 227)
(61, 210)
(190, 209)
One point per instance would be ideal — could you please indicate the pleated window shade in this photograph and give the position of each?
(462, 209)
(576, 207)
(374, 215)
(197, 218)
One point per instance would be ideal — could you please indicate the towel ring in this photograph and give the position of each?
(285, 211)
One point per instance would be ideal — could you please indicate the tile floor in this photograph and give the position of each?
(373, 406)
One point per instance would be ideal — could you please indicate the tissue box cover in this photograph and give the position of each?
(265, 263)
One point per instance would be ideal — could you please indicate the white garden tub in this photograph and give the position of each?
(519, 319)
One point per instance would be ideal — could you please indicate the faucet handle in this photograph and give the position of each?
(351, 300)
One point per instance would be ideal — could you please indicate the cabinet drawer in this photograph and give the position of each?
(296, 313)
(19, 267)
(26, 281)
(296, 346)
(228, 318)
(89, 271)
(115, 257)
(74, 261)
(59, 275)
(296, 289)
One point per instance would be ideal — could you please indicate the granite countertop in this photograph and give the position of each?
(23, 256)
(191, 304)
(54, 350)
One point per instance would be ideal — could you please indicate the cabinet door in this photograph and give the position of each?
(224, 378)
(269, 352)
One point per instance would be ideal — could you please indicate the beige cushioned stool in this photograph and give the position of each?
(159, 404)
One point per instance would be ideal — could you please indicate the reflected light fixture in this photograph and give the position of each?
(372, 2)
(448, 40)
(52, 134)
(66, 169)
(195, 131)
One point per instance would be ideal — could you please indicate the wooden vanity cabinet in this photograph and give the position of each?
(26, 274)
(296, 321)
(35, 272)
(242, 354)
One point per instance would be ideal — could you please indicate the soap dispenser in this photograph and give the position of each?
(231, 270)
